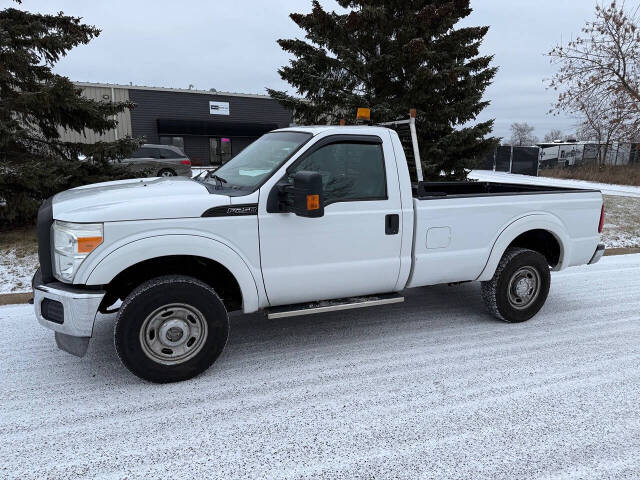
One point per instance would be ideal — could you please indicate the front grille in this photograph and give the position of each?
(43, 231)
(52, 310)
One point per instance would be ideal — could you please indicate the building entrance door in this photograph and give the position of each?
(219, 150)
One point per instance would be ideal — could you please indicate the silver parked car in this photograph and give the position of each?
(160, 160)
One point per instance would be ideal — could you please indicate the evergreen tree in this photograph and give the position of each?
(390, 56)
(35, 104)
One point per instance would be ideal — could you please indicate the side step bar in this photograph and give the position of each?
(310, 308)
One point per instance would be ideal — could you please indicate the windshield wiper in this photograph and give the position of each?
(220, 179)
(210, 173)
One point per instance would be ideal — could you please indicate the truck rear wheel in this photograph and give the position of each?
(519, 286)
(171, 328)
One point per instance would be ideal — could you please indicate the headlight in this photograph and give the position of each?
(72, 242)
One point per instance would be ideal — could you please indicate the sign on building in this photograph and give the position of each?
(219, 108)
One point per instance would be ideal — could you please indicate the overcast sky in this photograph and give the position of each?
(231, 46)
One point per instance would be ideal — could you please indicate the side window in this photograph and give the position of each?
(143, 152)
(156, 152)
(350, 171)
(167, 153)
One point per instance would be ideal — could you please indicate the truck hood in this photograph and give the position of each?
(135, 199)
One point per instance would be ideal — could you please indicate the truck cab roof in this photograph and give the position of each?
(346, 129)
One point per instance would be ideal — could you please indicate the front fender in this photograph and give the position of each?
(129, 254)
(538, 221)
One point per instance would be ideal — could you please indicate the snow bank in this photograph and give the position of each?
(605, 188)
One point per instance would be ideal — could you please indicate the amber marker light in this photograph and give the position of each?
(88, 244)
(313, 202)
(363, 114)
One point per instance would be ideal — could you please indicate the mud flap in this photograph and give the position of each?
(74, 345)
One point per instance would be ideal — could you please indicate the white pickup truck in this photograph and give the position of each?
(304, 220)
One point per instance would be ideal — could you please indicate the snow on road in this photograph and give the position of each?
(432, 388)
(605, 188)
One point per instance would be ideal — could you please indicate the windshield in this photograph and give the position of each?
(259, 160)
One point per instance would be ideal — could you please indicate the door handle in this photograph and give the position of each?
(392, 224)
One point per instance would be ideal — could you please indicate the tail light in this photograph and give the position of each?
(185, 162)
(601, 224)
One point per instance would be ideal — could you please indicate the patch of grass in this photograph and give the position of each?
(622, 221)
(18, 259)
(22, 240)
(616, 174)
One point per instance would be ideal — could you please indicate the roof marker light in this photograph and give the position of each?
(363, 114)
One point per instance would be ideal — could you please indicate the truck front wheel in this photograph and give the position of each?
(171, 328)
(519, 286)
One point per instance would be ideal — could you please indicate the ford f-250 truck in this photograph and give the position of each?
(304, 220)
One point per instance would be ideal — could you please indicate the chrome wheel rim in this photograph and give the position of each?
(166, 173)
(524, 287)
(173, 334)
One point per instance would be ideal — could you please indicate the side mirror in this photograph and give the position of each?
(308, 197)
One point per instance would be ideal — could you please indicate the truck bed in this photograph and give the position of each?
(435, 190)
(458, 223)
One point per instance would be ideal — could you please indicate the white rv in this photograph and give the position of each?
(568, 154)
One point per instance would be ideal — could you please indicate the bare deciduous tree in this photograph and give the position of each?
(603, 126)
(600, 71)
(522, 135)
(553, 135)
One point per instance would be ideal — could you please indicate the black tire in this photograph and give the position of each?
(167, 172)
(500, 294)
(156, 301)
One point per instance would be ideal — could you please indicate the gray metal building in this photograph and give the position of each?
(211, 127)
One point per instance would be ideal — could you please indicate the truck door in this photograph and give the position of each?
(354, 249)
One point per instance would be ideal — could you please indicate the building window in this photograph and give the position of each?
(219, 150)
(175, 141)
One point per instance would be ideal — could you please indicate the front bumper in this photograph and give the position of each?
(67, 310)
(597, 255)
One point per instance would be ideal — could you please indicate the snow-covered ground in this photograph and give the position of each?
(16, 270)
(432, 388)
(605, 188)
(622, 222)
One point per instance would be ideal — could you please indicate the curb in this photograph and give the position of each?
(15, 298)
(621, 251)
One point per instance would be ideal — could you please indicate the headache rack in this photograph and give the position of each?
(406, 130)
